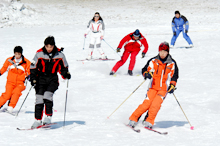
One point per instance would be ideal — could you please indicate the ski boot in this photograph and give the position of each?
(132, 123)
(47, 120)
(130, 72)
(36, 124)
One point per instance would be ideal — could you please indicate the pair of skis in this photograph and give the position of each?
(39, 127)
(138, 130)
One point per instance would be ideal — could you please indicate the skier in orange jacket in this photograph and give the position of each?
(18, 68)
(163, 72)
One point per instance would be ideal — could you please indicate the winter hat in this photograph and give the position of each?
(136, 33)
(177, 12)
(18, 49)
(49, 41)
(164, 46)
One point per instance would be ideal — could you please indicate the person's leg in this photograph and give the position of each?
(155, 106)
(48, 99)
(99, 48)
(91, 46)
(122, 61)
(187, 38)
(7, 94)
(133, 60)
(142, 108)
(173, 40)
(16, 93)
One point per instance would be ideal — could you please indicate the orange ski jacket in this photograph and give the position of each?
(16, 73)
(164, 73)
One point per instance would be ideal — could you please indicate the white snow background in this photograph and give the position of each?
(93, 95)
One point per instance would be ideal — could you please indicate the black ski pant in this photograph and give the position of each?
(45, 88)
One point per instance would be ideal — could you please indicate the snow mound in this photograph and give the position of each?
(13, 12)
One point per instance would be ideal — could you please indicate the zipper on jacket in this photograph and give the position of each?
(161, 79)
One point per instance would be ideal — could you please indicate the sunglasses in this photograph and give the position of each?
(96, 16)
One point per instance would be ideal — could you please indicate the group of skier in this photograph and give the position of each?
(161, 70)
(41, 72)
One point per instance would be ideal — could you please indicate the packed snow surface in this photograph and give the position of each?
(93, 95)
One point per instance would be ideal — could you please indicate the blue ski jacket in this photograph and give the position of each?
(177, 23)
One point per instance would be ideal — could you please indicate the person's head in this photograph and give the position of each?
(164, 50)
(96, 16)
(136, 34)
(49, 43)
(177, 14)
(18, 52)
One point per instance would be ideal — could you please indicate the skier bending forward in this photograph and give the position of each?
(163, 71)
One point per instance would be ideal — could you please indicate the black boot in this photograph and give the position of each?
(112, 73)
(130, 72)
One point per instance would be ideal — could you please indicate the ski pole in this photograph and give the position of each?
(84, 43)
(126, 98)
(65, 103)
(110, 47)
(23, 102)
(183, 113)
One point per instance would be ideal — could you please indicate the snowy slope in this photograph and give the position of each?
(93, 95)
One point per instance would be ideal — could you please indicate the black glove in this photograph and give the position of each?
(174, 33)
(33, 82)
(147, 75)
(118, 50)
(171, 88)
(143, 54)
(186, 31)
(67, 76)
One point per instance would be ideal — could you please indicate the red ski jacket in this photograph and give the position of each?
(130, 44)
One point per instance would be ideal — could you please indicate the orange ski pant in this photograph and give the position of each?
(12, 93)
(152, 103)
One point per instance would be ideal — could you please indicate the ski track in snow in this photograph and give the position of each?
(93, 95)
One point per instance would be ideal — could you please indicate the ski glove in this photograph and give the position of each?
(186, 31)
(143, 54)
(118, 50)
(101, 37)
(148, 75)
(174, 33)
(171, 88)
(85, 35)
(33, 82)
(67, 76)
(28, 78)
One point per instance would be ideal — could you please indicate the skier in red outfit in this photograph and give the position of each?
(132, 43)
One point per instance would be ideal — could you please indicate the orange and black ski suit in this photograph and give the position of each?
(15, 79)
(164, 73)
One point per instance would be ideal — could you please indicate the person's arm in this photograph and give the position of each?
(125, 39)
(186, 22)
(4, 67)
(173, 25)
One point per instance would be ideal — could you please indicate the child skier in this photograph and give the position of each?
(164, 73)
(133, 42)
(46, 63)
(18, 68)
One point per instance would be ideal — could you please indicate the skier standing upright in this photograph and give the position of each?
(132, 45)
(46, 63)
(18, 68)
(178, 23)
(163, 72)
(96, 27)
